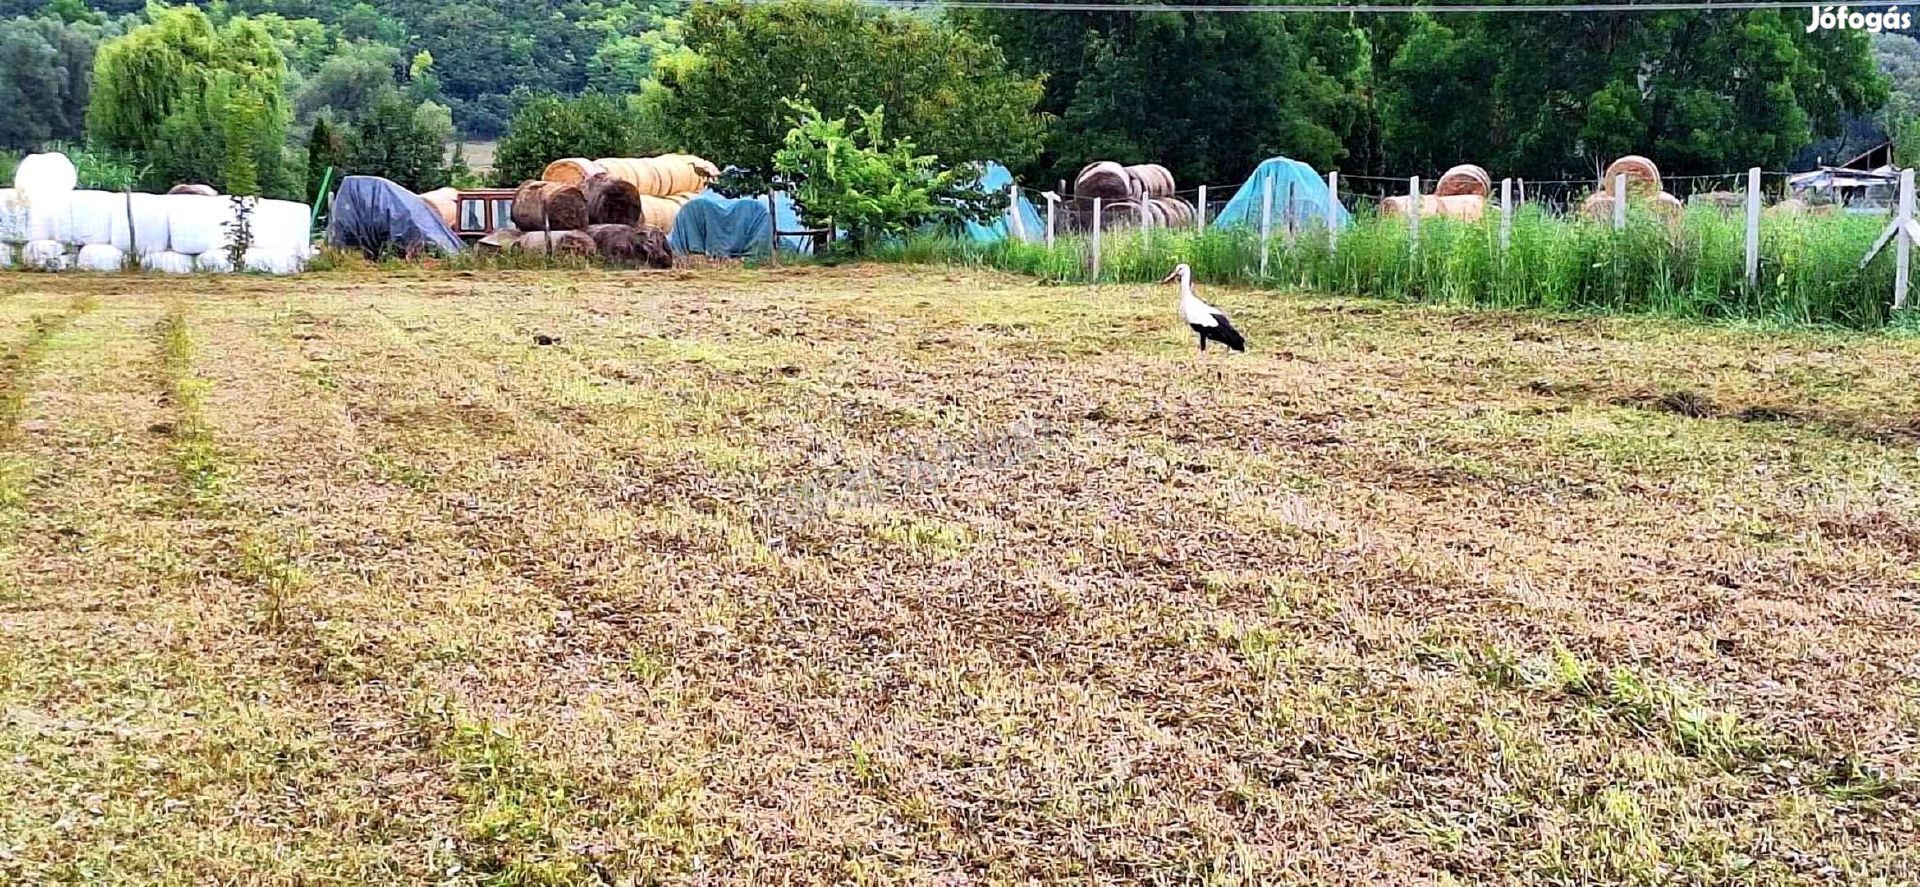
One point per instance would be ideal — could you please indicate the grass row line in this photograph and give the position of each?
(1693, 266)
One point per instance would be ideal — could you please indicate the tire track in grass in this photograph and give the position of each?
(139, 743)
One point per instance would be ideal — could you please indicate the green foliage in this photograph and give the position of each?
(348, 82)
(99, 169)
(1809, 270)
(178, 90)
(9, 161)
(326, 149)
(548, 127)
(1560, 96)
(44, 65)
(859, 180)
(945, 89)
(401, 141)
(1208, 96)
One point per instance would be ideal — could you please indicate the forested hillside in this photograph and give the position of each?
(363, 87)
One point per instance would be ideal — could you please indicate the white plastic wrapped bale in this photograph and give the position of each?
(45, 255)
(274, 261)
(280, 225)
(6, 255)
(167, 263)
(100, 257)
(46, 174)
(99, 217)
(197, 224)
(150, 223)
(216, 262)
(13, 216)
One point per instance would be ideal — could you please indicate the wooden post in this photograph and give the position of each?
(773, 229)
(1903, 248)
(1753, 227)
(1333, 208)
(1287, 219)
(1506, 213)
(1096, 239)
(133, 245)
(1200, 214)
(1619, 201)
(1413, 214)
(1266, 221)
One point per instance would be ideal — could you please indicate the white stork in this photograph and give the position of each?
(1208, 321)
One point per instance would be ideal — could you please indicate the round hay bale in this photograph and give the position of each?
(1643, 178)
(445, 203)
(1464, 179)
(654, 251)
(1103, 179)
(660, 212)
(202, 190)
(562, 243)
(662, 175)
(571, 170)
(1171, 212)
(1668, 205)
(1464, 207)
(1724, 201)
(1598, 206)
(616, 243)
(611, 201)
(497, 241)
(539, 205)
(1151, 179)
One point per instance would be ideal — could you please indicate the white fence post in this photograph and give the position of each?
(1266, 221)
(1052, 201)
(1619, 201)
(1903, 249)
(1413, 214)
(1015, 225)
(1753, 227)
(1096, 239)
(1333, 208)
(1200, 211)
(1506, 213)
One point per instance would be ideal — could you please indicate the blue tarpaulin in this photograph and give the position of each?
(996, 179)
(377, 216)
(733, 227)
(1297, 189)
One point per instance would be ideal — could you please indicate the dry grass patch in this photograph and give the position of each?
(884, 575)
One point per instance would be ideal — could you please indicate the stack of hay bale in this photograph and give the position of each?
(46, 223)
(618, 208)
(1461, 194)
(1120, 189)
(1643, 186)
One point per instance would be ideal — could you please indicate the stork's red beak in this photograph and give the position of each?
(1170, 277)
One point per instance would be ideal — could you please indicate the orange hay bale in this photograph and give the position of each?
(1643, 178)
(1465, 179)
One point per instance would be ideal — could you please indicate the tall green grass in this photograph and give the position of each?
(1693, 267)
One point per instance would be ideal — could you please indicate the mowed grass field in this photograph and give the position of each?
(885, 575)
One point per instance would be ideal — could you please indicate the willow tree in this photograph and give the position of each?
(167, 90)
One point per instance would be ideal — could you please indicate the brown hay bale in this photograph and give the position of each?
(616, 243)
(202, 190)
(571, 170)
(1150, 179)
(562, 243)
(1170, 212)
(1103, 179)
(1643, 178)
(1464, 179)
(498, 241)
(663, 175)
(660, 212)
(445, 203)
(1466, 207)
(1668, 205)
(552, 206)
(654, 251)
(611, 201)
(1598, 206)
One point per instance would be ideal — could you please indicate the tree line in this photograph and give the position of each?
(269, 93)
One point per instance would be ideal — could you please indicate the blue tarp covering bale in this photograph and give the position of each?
(1292, 180)
(733, 227)
(377, 217)
(996, 179)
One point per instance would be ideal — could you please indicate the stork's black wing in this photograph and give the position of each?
(1223, 332)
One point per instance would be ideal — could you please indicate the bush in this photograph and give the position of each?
(548, 127)
(101, 169)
